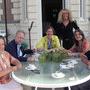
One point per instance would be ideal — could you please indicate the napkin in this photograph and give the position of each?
(58, 75)
(31, 67)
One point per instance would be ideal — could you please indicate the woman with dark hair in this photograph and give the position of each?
(81, 45)
(49, 41)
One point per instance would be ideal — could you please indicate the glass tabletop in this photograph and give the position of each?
(42, 76)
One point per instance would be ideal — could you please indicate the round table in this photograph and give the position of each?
(74, 76)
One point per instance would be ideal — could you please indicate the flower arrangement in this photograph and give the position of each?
(53, 55)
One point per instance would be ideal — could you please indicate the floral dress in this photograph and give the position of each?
(4, 64)
(6, 82)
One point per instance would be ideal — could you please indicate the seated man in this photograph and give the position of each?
(16, 49)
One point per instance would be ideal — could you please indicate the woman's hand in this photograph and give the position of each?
(31, 58)
(84, 59)
(14, 68)
(40, 49)
(16, 63)
(69, 51)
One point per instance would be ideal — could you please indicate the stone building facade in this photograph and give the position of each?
(20, 14)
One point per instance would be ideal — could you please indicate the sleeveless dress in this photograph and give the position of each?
(6, 82)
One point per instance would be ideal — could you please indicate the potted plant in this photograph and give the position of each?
(53, 55)
(50, 59)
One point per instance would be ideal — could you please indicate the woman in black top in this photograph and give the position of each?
(64, 28)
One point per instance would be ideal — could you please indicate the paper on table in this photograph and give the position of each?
(73, 62)
(58, 75)
(66, 66)
(31, 67)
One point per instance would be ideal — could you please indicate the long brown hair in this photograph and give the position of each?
(81, 33)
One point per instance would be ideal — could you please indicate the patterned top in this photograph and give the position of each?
(4, 64)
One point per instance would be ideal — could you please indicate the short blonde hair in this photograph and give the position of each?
(60, 19)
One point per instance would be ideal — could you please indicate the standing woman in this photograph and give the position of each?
(6, 81)
(64, 28)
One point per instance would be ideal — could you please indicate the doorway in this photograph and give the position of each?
(50, 10)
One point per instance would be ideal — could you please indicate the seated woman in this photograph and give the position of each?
(6, 81)
(49, 41)
(81, 45)
(84, 86)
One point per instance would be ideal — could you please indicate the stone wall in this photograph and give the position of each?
(83, 23)
(33, 14)
(26, 11)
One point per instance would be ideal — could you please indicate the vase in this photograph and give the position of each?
(48, 67)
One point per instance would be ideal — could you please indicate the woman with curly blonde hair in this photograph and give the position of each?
(60, 15)
(64, 28)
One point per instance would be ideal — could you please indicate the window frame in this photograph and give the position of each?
(82, 14)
